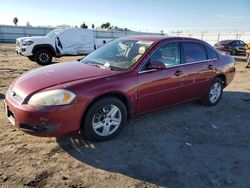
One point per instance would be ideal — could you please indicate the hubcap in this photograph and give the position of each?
(44, 57)
(107, 120)
(215, 92)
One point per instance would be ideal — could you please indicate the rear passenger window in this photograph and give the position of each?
(211, 54)
(193, 52)
(235, 43)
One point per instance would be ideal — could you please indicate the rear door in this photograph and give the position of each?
(75, 41)
(198, 70)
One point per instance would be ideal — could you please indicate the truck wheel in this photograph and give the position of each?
(43, 57)
(31, 58)
(105, 119)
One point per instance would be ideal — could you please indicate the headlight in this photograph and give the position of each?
(52, 98)
(27, 42)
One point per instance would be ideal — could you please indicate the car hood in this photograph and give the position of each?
(52, 75)
(31, 38)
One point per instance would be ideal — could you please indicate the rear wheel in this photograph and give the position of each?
(43, 57)
(105, 119)
(214, 93)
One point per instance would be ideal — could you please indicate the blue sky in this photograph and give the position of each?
(147, 15)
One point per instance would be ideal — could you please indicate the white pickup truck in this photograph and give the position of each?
(57, 43)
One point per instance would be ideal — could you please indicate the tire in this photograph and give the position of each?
(98, 125)
(31, 58)
(233, 52)
(213, 95)
(43, 57)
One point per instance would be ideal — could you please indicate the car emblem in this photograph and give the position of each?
(13, 93)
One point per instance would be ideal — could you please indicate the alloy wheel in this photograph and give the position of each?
(44, 57)
(106, 121)
(215, 92)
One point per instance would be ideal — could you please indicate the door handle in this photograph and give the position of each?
(210, 67)
(178, 73)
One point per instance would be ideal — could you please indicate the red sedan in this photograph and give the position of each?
(124, 78)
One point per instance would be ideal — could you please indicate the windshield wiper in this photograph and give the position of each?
(116, 68)
(99, 65)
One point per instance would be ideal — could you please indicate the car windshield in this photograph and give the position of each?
(117, 55)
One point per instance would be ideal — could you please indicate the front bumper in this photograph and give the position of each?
(53, 121)
(24, 50)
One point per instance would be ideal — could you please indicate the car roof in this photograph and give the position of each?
(158, 38)
(229, 41)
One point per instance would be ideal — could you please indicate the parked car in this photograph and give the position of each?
(234, 47)
(122, 79)
(57, 43)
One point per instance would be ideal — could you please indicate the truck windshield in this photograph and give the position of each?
(53, 33)
(118, 54)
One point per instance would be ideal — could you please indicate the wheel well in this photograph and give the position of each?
(45, 47)
(223, 78)
(119, 96)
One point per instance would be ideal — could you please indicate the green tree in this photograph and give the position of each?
(105, 25)
(15, 20)
(84, 26)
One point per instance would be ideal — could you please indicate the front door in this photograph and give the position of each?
(161, 87)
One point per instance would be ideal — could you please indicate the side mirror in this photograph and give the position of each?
(156, 65)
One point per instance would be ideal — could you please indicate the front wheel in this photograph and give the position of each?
(214, 93)
(43, 57)
(105, 119)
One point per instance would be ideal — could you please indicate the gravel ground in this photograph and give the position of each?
(188, 145)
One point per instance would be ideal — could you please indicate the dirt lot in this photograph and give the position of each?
(185, 146)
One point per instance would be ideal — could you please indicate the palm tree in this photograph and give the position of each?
(15, 20)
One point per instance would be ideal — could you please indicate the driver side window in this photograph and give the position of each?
(169, 54)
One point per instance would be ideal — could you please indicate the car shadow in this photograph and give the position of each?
(2, 96)
(188, 145)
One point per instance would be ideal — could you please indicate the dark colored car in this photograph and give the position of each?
(234, 47)
(125, 78)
